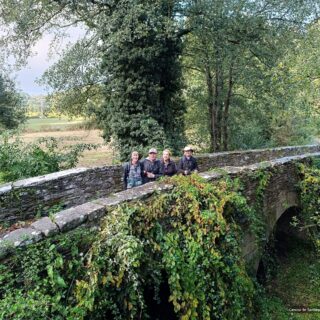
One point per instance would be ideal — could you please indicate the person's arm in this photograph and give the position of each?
(158, 172)
(145, 178)
(142, 171)
(125, 176)
(162, 168)
(144, 168)
(195, 165)
(174, 168)
(180, 166)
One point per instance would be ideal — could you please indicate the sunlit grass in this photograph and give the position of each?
(297, 283)
(50, 124)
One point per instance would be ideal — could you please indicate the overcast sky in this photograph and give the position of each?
(37, 64)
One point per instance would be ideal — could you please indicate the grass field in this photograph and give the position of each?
(69, 134)
(51, 124)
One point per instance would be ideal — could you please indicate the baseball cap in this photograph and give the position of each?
(187, 148)
(153, 150)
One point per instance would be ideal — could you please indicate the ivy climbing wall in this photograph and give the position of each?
(198, 236)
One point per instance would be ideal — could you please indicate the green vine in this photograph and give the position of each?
(38, 281)
(262, 178)
(309, 186)
(188, 239)
(189, 235)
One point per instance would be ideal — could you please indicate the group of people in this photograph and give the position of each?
(138, 172)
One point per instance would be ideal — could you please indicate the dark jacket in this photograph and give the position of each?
(153, 167)
(187, 165)
(168, 170)
(126, 169)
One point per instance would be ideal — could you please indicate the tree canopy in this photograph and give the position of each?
(234, 60)
(134, 49)
(234, 64)
(143, 104)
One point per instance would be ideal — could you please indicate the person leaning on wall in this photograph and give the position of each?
(168, 166)
(133, 172)
(151, 167)
(187, 164)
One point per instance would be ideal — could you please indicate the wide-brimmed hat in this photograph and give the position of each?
(153, 150)
(188, 148)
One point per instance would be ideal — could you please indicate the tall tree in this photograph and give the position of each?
(140, 48)
(234, 47)
(142, 70)
(12, 105)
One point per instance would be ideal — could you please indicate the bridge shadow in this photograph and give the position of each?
(161, 308)
(282, 240)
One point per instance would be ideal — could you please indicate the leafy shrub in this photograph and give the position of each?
(12, 104)
(188, 239)
(21, 160)
(37, 282)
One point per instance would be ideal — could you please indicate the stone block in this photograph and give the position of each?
(5, 188)
(45, 226)
(108, 201)
(95, 211)
(21, 237)
(71, 218)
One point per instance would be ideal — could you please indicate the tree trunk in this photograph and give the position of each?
(211, 107)
(218, 103)
(226, 108)
(220, 109)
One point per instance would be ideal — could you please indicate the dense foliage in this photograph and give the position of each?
(22, 160)
(246, 74)
(12, 105)
(187, 240)
(310, 217)
(36, 282)
(141, 65)
(134, 48)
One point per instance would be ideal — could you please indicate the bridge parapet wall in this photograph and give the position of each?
(25, 199)
(280, 193)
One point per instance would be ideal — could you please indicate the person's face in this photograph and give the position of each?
(152, 156)
(188, 153)
(135, 156)
(166, 155)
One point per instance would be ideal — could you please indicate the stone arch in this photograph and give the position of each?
(279, 197)
(277, 204)
(281, 239)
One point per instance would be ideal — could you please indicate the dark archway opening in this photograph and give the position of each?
(156, 298)
(158, 305)
(281, 241)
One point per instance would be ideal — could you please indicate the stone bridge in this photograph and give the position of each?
(83, 196)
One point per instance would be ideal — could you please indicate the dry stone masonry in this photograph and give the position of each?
(91, 202)
(25, 199)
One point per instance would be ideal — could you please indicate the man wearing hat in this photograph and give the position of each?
(187, 163)
(151, 167)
